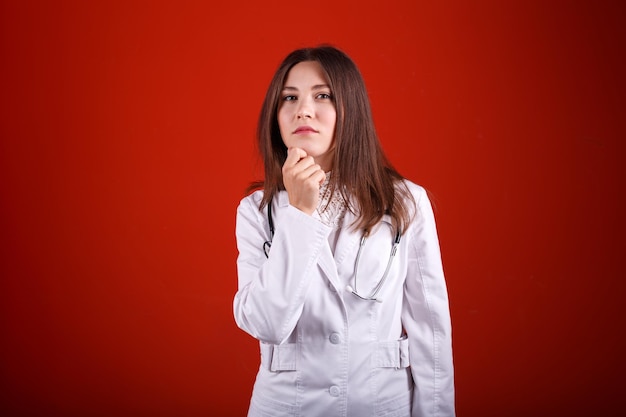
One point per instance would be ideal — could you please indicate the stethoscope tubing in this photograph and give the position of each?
(267, 245)
(392, 254)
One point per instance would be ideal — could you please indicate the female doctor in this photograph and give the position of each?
(340, 274)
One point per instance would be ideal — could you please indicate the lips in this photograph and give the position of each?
(305, 129)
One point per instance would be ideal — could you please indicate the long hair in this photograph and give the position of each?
(360, 171)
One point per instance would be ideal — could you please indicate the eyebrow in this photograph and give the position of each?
(315, 87)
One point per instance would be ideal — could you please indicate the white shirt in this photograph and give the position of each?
(324, 351)
(331, 211)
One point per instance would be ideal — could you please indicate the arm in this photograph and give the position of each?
(272, 291)
(426, 318)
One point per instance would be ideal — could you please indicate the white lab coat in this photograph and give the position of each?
(325, 352)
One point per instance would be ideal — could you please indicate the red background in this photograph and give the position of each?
(127, 141)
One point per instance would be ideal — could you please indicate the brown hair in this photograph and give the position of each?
(360, 170)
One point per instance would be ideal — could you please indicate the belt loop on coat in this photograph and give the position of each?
(392, 354)
(278, 357)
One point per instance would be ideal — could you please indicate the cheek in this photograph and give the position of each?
(331, 118)
(282, 120)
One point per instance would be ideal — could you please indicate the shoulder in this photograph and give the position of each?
(418, 192)
(415, 189)
(422, 212)
(251, 201)
(280, 200)
(253, 198)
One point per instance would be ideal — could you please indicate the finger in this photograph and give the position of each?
(309, 171)
(313, 176)
(298, 167)
(319, 176)
(294, 155)
(322, 177)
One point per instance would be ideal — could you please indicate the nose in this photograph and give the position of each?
(305, 109)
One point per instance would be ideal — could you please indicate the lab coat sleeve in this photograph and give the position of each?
(271, 291)
(426, 318)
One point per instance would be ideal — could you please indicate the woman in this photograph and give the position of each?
(340, 275)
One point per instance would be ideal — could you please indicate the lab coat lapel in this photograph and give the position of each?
(325, 259)
(347, 245)
(327, 265)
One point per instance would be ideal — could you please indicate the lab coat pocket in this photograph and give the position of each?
(261, 406)
(391, 362)
(398, 406)
(276, 382)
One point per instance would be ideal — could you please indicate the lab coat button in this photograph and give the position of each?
(335, 338)
(334, 391)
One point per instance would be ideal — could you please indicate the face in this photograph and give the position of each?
(306, 114)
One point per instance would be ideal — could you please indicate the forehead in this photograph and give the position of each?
(306, 73)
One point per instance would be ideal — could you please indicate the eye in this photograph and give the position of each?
(289, 98)
(324, 96)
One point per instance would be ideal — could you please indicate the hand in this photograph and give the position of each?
(302, 178)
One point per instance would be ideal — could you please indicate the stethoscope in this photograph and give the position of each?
(372, 297)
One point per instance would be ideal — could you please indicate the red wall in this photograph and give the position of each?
(127, 140)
